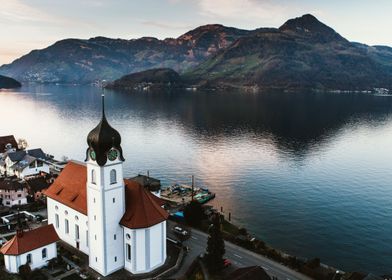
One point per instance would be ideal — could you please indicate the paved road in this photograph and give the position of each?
(239, 256)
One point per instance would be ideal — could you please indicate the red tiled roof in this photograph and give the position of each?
(143, 209)
(69, 188)
(30, 240)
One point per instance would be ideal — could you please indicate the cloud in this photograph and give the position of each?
(255, 11)
(165, 25)
(16, 11)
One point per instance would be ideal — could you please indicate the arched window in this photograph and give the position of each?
(113, 176)
(28, 258)
(93, 176)
(44, 253)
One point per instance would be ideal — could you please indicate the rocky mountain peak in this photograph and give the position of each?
(309, 26)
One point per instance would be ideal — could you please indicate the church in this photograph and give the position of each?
(115, 221)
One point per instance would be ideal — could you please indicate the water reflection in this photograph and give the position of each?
(309, 173)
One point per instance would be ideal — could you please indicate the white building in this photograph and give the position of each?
(24, 163)
(13, 191)
(34, 247)
(117, 222)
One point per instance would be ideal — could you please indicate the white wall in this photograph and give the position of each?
(74, 218)
(12, 263)
(148, 248)
(17, 201)
(33, 171)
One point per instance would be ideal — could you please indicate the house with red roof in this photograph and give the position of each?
(35, 247)
(117, 222)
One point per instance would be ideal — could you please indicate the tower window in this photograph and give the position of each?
(93, 176)
(115, 259)
(114, 200)
(115, 237)
(113, 176)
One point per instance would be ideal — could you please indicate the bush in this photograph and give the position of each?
(25, 271)
(37, 275)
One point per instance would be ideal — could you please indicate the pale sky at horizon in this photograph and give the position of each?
(35, 24)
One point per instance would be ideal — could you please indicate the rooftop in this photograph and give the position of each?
(143, 209)
(20, 155)
(11, 183)
(38, 183)
(8, 139)
(148, 182)
(27, 241)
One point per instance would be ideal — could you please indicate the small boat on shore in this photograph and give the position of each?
(182, 194)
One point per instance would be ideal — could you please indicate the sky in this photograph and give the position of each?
(26, 25)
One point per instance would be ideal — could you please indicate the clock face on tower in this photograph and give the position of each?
(112, 154)
(93, 156)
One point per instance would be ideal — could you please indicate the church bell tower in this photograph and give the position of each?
(105, 197)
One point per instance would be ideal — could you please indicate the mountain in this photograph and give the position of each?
(7, 83)
(157, 78)
(85, 61)
(302, 53)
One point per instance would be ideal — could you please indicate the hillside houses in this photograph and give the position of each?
(13, 191)
(24, 163)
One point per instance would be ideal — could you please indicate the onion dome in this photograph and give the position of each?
(104, 141)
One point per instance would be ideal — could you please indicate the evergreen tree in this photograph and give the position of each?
(215, 246)
(194, 213)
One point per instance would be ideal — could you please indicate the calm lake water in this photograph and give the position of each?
(308, 173)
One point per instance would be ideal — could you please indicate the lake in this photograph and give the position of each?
(309, 173)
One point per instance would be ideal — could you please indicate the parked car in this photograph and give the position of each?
(39, 218)
(180, 231)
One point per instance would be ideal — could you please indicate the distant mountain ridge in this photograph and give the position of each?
(99, 58)
(302, 53)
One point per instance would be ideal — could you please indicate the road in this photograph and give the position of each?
(239, 256)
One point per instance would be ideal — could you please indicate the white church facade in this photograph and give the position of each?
(116, 222)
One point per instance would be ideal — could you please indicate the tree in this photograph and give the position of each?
(215, 246)
(22, 144)
(25, 271)
(193, 213)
